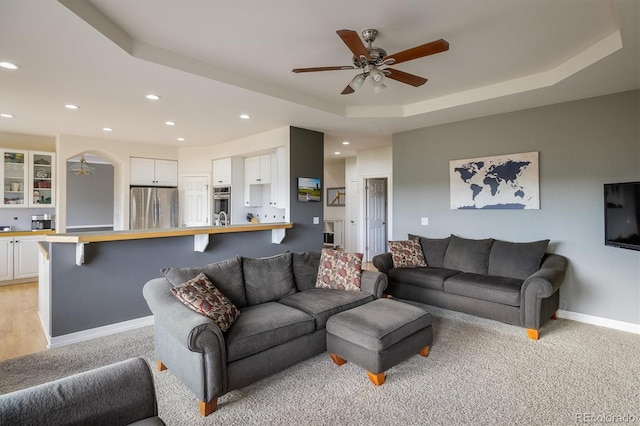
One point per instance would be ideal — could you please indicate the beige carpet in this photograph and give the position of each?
(479, 372)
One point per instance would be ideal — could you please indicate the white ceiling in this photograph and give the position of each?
(211, 60)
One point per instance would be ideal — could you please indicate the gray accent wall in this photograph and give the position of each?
(90, 198)
(583, 145)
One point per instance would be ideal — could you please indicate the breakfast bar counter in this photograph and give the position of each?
(200, 235)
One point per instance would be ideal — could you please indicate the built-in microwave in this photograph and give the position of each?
(222, 203)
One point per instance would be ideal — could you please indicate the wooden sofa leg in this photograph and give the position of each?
(533, 334)
(554, 316)
(338, 360)
(424, 351)
(377, 379)
(207, 408)
(161, 366)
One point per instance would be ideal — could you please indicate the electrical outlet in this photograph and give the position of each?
(424, 221)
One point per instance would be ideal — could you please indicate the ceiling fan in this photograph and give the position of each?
(370, 59)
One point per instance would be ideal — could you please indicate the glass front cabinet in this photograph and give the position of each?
(27, 178)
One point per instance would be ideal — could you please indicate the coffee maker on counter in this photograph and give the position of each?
(41, 222)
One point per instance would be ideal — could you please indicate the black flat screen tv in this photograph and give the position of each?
(622, 215)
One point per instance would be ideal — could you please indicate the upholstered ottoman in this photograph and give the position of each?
(378, 335)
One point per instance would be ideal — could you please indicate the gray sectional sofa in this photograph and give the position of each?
(515, 283)
(282, 321)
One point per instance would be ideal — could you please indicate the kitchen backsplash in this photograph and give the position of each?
(20, 219)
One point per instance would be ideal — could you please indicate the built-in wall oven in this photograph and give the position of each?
(222, 203)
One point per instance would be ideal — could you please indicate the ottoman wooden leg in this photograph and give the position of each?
(377, 379)
(161, 366)
(339, 361)
(424, 351)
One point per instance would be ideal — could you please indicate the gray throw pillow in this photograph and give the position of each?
(226, 275)
(305, 269)
(268, 279)
(468, 255)
(516, 260)
(434, 249)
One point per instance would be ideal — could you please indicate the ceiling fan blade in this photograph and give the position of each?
(347, 90)
(314, 69)
(354, 43)
(404, 77)
(420, 51)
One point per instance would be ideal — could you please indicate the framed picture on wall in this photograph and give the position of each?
(309, 189)
(336, 197)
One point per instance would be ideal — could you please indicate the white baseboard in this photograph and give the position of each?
(603, 322)
(106, 330)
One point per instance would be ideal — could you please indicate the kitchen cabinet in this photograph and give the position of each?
(222, 172)
(257, 170)
(153, 172)
(42, 178)
(279, 195)
(27, 178)
(19, 257)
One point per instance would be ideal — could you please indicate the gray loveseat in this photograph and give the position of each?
(118, 394)
(515, 283)
(282, 321)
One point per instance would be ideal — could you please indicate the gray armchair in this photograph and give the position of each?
(118, 394)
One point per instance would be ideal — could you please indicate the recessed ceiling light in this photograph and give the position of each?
(71, 106)
(345, 142)
(5, 115)
(9, 65)
(107, 129)
(245, 116)
(180, 139)
(170, 123)
(337, 153)
(152, 97)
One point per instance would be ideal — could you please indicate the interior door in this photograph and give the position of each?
(353, 219)
(376, 217)
(195, 201)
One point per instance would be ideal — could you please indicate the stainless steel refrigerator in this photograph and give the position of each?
(151, 207)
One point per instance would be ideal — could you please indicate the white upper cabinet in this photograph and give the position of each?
(222, 172)
(151, 172)
(27, 178)
(257, 170)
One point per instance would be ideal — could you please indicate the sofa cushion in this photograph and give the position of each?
(432, 278)
(225, 275)
(434, 249)
(407, 254)
(268, 279)
(468, 255)
(305, 269)
(339, 270)
(203, 297)
(322, 303)
(264, 326)
(516, 260)
(503, 290)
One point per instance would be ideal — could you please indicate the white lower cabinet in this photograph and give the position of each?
(19, 257)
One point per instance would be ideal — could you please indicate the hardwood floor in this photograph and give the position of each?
(20, 329)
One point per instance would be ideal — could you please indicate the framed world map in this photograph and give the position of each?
(501, 182)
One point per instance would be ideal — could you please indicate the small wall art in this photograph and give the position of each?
(336, 197)
(309, 189)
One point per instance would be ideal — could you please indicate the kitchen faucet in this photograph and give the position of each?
(226, 220)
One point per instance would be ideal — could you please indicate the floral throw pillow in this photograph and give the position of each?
(339, 270)
(203, 297)
(407, 254)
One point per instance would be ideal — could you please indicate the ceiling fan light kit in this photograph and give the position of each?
(370, 59)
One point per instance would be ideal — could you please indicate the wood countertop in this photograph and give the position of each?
(140, 234)
(25, 233)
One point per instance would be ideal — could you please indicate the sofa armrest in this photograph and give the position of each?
(120, 393)
(373, 282)
(542, 284)
(194, 332)
(383, 262)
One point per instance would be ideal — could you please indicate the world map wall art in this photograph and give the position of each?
(501, 182)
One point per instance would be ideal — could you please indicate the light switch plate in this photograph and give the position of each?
(424, 221)
(316, 220)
